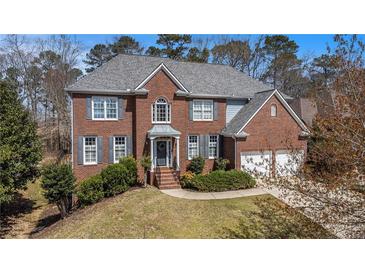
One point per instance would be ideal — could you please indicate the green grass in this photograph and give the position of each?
(148, 213)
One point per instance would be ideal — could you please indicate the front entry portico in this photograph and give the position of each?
(161, 147)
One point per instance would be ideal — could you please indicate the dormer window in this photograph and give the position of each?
(273, 111)
(161, 111)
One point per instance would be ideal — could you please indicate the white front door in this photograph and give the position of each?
(257, 163)
(288, 162)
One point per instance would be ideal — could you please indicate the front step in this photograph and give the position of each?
(166, 179)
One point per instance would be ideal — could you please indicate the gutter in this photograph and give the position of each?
(108, 91)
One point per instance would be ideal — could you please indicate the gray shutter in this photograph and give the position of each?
(202, 146)
(120, 108)
(100, 149)
(129, 145)
(88, 107)
(215, 110)
(111, 149)
(206, 152)
(187, 147)
(191, 115)
(221, 148)
(80, 150)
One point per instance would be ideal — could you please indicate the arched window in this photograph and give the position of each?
(273, 111)
(161, 111)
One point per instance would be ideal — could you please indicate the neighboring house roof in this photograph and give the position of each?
(245, 115)
(126, 73)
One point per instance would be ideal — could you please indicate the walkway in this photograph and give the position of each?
(194, 195)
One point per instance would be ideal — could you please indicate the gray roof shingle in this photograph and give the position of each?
(246, 112)
(128, 71)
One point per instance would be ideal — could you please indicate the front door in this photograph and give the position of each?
(161, 153)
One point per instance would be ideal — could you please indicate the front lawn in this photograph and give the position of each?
(148, 213)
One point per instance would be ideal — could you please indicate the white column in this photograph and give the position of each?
(152, 156)
(177, 153)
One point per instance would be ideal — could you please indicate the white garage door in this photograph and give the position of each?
(288, 162)
(257, 163)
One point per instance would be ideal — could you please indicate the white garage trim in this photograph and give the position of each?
(257, 163)
(288, 162)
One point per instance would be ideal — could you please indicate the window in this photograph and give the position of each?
(90, 150)
(104, 108)
(273, 111)
(161, 111)
(202, 110)
(213, 146)
(193, 147)
(120, 149)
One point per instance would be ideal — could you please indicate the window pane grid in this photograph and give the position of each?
(105, 108)
(193, 147)
(213, 146)
(119, 148)
(202, 110)
(90, 149)
(161, 111)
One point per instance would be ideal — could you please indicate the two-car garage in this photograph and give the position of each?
(282, 162)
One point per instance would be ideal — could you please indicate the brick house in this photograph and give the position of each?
(174, 111)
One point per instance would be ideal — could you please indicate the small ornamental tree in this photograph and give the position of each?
(197, 165)
(146, 165)
(20, 148)
(58, 183)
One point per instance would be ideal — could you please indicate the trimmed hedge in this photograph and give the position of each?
(115, 179)
(90, 190)
(131, 165)
(220, 180)
(197, 165)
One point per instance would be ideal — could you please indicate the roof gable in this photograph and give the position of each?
(169, 74)
(249, 111)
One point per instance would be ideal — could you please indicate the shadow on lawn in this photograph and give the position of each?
(275, 220)
(9, 213)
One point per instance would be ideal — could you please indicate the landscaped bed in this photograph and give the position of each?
(148, 213)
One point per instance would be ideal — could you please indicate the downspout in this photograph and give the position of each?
(72, 131)
(235, 151)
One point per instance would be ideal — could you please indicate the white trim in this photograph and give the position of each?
(204, 120)
(168, 144)
(96, 151)
(288, 108)
(104, 119)
(168, 72)
(125, 148)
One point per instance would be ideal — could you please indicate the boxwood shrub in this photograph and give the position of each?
(221, 180)
(90, 190)
(131, 165)
(115, 179)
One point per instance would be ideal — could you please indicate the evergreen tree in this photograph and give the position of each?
(173, 46)
(20, 149)
(195, 55)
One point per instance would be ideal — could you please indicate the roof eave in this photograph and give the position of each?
(107, 91)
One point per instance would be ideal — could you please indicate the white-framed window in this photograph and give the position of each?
(193, 146)
(90, 151)
(161, 111)
(120, 147)
(213, 146)
(104, 108)
(202, 110)
(273, 111)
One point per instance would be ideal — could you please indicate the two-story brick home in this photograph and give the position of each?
(173, 111)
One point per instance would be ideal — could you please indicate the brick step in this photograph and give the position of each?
(165, 176)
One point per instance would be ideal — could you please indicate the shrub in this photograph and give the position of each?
(115, 179)
(221, 164)
(146, 164)
(58, 182)
(197, 165)
(220, 180)
(131, 165)
(186, 179)
(90, 190)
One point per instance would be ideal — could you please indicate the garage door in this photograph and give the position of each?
(287, 162)
(257, 163)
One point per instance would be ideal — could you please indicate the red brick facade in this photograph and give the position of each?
(265, 132)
